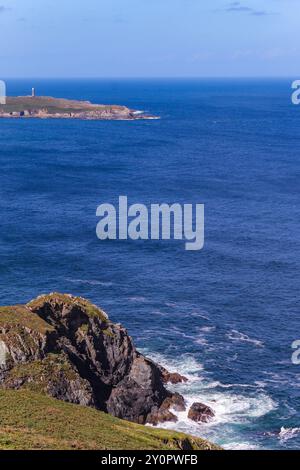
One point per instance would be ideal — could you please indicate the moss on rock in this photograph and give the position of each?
(19, 315)
(68, 301)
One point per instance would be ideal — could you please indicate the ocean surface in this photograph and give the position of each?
(225, 316)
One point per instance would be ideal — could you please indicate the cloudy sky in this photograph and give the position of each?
(149, 38)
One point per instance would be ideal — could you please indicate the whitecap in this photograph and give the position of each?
(90, 282)
(181, 333)
(207, 329)
(235, 335)
(201, 341)
(288, 433)
(241, 446)
(171, 304)
(186, 365)
(199, 315)
(137, 299)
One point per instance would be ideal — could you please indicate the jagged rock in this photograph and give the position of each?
(200, 413)
(173, 377)
(68, 348)
(174, 402)
(159, 416)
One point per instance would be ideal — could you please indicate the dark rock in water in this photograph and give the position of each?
(68, 348)
(200, 413)
(176, 402)
(164, 413)
(159, 416)
(172, 377)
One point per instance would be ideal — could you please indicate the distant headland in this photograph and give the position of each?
(46, 107)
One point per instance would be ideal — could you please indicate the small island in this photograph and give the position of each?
(46, 107)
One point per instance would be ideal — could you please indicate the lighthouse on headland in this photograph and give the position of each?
(33, 92)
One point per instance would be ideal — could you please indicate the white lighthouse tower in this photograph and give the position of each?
(33, 92)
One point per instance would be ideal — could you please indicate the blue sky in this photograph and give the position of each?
(149, 38)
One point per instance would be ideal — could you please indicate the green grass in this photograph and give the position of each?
(18, 315)
(68, 301)
(35, 375)
(53, 105)
(32, 421)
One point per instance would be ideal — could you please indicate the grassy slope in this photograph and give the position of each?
(32, 421)
(53, 105)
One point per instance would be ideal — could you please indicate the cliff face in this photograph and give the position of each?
(67, 348)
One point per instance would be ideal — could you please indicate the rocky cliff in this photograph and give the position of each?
(67, 348)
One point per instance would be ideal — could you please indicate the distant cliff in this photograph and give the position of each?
(45, 107)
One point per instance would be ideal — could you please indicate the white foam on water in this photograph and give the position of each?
(138, 299)
(159, 313)
(185, 365)
(90, 282)
(199, 315)
(230, 402)
(181, 333)
(201, 341)
(221, 385)
(171, 304)
(207, 329)
(241, 446)
(237, 336)
(288, 433)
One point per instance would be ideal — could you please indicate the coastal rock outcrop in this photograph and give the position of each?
(66, 347)
(172, 377)
(200, 413)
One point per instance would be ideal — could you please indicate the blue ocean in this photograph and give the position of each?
(225, 316)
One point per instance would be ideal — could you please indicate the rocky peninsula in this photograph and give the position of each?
(45, 107)
(66, 348)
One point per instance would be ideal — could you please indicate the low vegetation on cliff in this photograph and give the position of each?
(33, 421)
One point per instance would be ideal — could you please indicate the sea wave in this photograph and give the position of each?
(186, 365)
(288, 433)
(241, 446)
(234, 405)
(138, 299)
(235, 335)
(207, 329)
(91, 282)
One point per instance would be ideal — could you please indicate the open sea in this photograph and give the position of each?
(225, 316)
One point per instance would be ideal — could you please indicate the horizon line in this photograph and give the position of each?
(212, 77)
